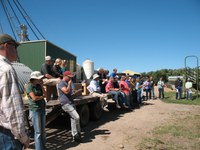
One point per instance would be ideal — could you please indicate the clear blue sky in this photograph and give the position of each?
(140, 35)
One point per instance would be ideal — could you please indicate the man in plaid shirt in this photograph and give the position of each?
(12, 122)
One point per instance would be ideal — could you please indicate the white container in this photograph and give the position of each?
(88, 69)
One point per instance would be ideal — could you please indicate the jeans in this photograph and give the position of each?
(39, 121)
(75, 119)
(188, 94)
(161, 93)
(148, 94)
(116, 95)
(152, 92)
(139, 98)
(123, 98)
(179, 92)
(8, 142)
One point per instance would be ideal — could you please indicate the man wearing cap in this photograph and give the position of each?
(12, 123)
(37, 105)
(50, 81)
(95, 90)
(65, 91)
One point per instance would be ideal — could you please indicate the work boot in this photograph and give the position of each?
(77, 138)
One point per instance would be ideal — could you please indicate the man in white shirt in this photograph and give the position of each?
(95, 90)
(188, 86)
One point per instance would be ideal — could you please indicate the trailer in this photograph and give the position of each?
(88, 108)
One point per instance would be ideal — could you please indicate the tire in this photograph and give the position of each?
(95, 111)
(84, 114)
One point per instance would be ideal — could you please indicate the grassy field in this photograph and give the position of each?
(179, 134)
(170, 98)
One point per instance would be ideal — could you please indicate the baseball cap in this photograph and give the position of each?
(5, 38)
(48, 58)
(68, 73)
(36, 75)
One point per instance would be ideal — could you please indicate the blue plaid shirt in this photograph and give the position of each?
(11, 104)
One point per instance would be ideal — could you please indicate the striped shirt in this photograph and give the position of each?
(11, 104)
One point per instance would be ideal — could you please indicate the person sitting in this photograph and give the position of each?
(95, 90)
(50, 81)
(64, 66)
(57, 68)
(125, 90)
(67, 104)
(102, 80)
(114, 91)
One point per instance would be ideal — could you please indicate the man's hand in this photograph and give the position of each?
(26, 144)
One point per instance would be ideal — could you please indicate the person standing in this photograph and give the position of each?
(37, 105)
(138, 87)
(65, 91)
(13, 134)
(152, 84)
(188, 86)
(161, 86)
(178, 86)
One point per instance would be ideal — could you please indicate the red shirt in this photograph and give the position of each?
(124, 87)
(108, 86)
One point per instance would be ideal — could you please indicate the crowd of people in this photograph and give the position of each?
(128, 92)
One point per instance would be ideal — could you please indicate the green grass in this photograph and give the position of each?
(181, 134)
(178, 134)
(170, 98)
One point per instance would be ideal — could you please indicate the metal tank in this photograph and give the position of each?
(23, 74)
(88, 69)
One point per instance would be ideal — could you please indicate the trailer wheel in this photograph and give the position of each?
(84, 114)
(95, 111)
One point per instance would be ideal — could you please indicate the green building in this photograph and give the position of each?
(32, 54)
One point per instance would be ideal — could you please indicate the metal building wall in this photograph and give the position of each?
(57, 52)
(32, 54)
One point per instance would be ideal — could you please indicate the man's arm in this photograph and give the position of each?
(12, 107)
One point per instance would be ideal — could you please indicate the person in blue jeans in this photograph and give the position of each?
(13, 133)
(65, 91)
(161, 86)
(37, 104)
(178, 86)
(188, 87)
(138, 88)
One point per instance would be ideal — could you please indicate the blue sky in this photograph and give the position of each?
(140, 35)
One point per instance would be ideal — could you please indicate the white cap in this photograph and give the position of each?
(95, 76)
(48, 58)
(36, 75)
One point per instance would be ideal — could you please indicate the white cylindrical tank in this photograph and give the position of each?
(88, 69)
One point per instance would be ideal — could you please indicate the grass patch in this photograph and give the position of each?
(181, 134)
(170, 98)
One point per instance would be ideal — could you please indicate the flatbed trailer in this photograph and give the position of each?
(88, 107)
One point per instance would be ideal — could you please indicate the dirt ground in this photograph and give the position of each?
(117, 129)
